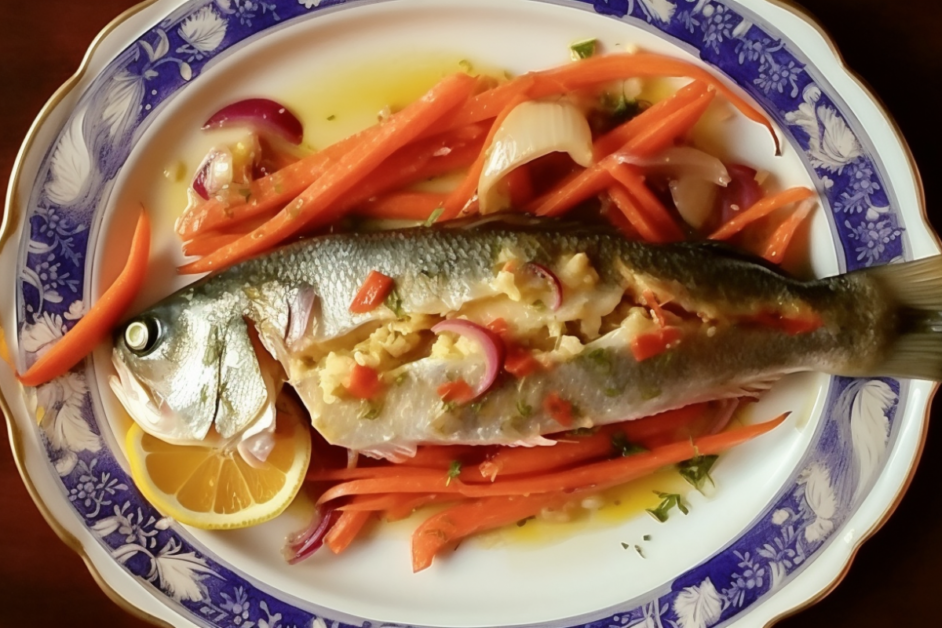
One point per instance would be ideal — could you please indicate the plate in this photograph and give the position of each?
(778, 530)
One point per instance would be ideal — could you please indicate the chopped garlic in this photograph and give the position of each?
(577, 272)
(333, 374)
(505, 283)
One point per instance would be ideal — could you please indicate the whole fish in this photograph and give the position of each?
(610, 329)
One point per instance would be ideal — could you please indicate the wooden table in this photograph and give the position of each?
(893, 45)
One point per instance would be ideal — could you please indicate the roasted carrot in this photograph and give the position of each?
(374, 290)
(102, 316)
(450, 526)
(598, 475)
(570, 450)
(761, 209)
(666, 228)
(777, 244)
(657, 128)
(458, 201)
(346, 529)
(353, 167)
(620, 135)
(605, 68)
(206, 244)
(402, 205)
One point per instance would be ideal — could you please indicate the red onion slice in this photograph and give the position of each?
(304, 543)
(742, 192)
(265, 114)
(551, 277)
(490, 344)
(214, 173)
(724, 413)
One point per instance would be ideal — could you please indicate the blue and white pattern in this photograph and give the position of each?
(839, 467)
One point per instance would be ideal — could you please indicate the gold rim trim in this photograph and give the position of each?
(809, 18)
(11, 217)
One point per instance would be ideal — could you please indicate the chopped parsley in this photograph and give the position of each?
(625, 545)
(245, 193)
(600, 360)
(454, 470)
(370, 410)
(668, 502)
(640, 553)
(331, 118)
(623, 447)
(434, 216)
(466, 65)
(583, 49)
(579, 432)
(400, 379)
(697, 470)
(394, 303)
(524, 409)
(646, 537)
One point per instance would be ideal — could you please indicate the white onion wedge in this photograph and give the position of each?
(530, 131)
(683, 161)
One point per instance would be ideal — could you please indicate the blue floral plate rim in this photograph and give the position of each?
(698, 591)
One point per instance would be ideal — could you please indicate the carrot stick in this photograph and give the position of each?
(353, 167)
(570, 450)
(458, 200)
(599, 475)
(375, 503)
(208, 243)
(605, 68)
(441, 456)
(411, 503)
(777, 244)
(761, 209)
(101, 318)
(641, 222)
(480, 107)
(667, 229)
(458, 522)
(657, 128)
(620, 135)
(403, 205)
(346, 529)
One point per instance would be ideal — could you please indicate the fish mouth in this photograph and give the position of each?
(158, 419)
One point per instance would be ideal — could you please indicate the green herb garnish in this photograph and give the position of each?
(466, 65)
(640, 553)
(524, 409)
(625, 545)
(668, 501)
(646, 537)
(600, 359)
(697, 470)
(370, 410)
(394, 303)
(454, 470)
(579, 432)
(245, 193)
(583, 49)
(434, 216)
(449, 406)
(612, 392)
(623, 447)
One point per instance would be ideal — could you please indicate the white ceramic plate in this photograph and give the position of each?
(789, 509)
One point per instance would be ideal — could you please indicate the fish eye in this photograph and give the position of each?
(141, 335)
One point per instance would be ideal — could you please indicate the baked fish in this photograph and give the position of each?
(563, 327)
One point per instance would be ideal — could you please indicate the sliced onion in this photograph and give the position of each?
(743, 191)
(214, 173)
(554, 281)
(694, 199)
(490, 344)
(530, 131)
(304, 543)
(262, 113)
(681, 162)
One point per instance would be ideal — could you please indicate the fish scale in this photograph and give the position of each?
(864, 323)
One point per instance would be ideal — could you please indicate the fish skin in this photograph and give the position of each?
(204, 350)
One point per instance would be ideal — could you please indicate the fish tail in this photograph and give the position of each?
(916, 290)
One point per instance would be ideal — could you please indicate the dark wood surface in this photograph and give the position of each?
(893, 44)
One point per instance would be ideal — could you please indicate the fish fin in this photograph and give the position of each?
(916, 288)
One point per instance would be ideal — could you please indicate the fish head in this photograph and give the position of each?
(188, 365)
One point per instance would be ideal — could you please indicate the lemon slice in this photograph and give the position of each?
(213, 488)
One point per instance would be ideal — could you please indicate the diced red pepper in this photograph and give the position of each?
(498, 326)
(791, 325)
(559, 409)
(457, 391)
(364, 382)
(520, 362)
(372, 293)
(656, 342)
